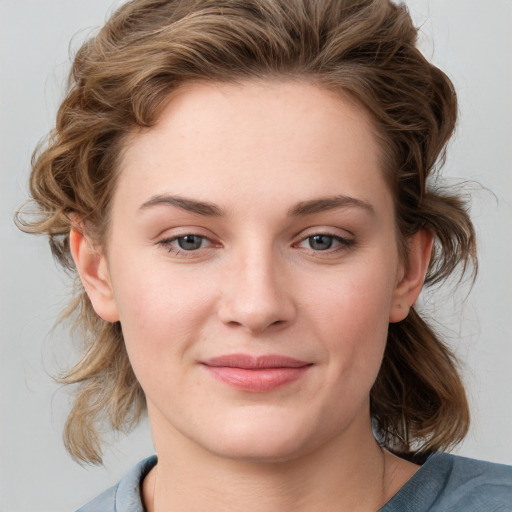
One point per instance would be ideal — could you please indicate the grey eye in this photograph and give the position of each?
(190, 242)
(320, 242)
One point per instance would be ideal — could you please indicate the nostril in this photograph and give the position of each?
(255, 304)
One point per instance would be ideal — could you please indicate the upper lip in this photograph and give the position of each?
(249, 362)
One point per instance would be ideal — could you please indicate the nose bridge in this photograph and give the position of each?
(254, 294)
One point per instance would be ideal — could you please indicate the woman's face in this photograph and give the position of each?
(254, 268)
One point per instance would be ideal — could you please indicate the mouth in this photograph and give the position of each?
(256, 374)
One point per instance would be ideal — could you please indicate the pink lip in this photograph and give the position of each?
(256, 374)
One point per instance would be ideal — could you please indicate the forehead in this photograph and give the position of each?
(255, 140)
(253, 111)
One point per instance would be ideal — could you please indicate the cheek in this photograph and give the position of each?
(353, 317)
(161, 313)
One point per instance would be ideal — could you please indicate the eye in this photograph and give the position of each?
(185, 243)
(325, 242)
(320, 242)
(190, 242)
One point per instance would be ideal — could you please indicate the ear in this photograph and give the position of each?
(93, 271)
(412, 276)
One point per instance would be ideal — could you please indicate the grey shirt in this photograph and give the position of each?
(444, 483)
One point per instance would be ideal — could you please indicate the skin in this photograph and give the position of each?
(257, 284)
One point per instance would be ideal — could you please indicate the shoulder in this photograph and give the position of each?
(449, 482)
(125, 495)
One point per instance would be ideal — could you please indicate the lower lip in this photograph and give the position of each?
(259, 380)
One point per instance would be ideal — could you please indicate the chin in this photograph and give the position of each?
(262, 440)
(260, 451)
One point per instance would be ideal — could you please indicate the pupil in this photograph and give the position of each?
(190, 242)
(320, 242)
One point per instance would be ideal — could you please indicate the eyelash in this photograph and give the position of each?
(344, 244)
(168, 243)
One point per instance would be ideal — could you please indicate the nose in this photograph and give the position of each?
(256, 294)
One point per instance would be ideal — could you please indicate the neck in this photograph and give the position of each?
(351, 473)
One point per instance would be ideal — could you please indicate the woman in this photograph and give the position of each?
(242, 189)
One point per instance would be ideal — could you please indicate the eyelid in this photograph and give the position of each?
(340, 238)
(181, 237)
(345, 242)
(167, 242)
(338, 233)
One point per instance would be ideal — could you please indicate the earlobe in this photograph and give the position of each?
(409, 287)
(92, 269)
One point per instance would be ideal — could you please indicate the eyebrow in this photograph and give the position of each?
(329, 203)
(302, 208)
(189, 205)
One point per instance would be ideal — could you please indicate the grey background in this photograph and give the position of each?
(469, 39)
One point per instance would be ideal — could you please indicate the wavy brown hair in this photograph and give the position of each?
(120, 81)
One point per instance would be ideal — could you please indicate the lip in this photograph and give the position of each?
(256, 374)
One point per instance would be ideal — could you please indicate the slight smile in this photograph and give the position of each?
(256, 374)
